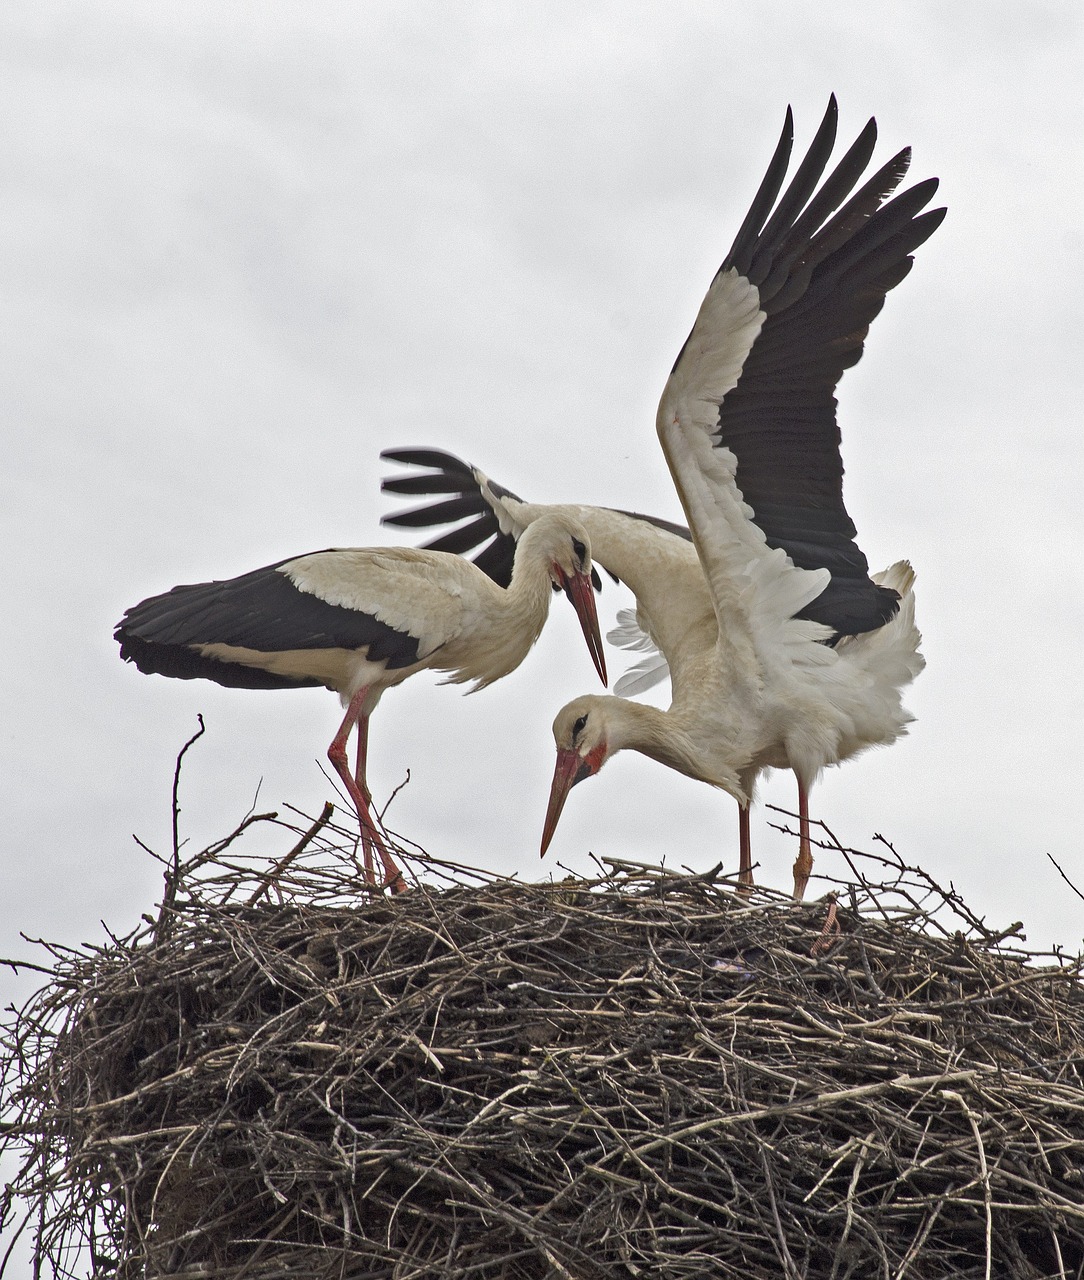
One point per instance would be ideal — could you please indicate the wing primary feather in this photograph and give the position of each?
(459, 541)
(746, 239)
(794, 198)
(454, 476)
(835, 188)
(496, 559)
(892, 219)
(433, 482)
(862, 206)
(923, 227)
(803, 242)
(435, 458)
(436, 513)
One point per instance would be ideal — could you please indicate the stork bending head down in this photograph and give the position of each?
(782, 649)
(361, 620)
(809, 652)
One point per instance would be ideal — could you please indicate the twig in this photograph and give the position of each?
(280, 866)
(1061, 873)
(173, 876)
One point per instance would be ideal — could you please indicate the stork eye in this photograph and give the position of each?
(579, 727)
(580, 550)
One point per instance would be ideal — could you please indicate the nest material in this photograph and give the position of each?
(643, 1076)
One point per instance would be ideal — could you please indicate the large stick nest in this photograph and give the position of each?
(646, 1075)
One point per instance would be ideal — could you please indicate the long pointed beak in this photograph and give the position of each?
(579, 590)
(570, 770)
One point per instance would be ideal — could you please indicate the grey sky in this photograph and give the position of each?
(245, 247)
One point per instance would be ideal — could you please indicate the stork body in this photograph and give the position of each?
(782, 650)
(727, 722)
(359, 621)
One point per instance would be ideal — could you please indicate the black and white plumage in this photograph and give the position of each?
(782, 650)
(360, 621)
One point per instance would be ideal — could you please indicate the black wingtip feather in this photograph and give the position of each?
(458, 542)
(800, 189)
(823, 260)
(181, 663)
(437, 513)
(438, 482)
(435, 458)
(452, 475)
(770, 185)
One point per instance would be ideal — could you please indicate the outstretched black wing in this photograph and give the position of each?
(449, 475)
(822, 261)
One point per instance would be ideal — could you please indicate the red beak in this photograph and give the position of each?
(579, 590)
(571, 768)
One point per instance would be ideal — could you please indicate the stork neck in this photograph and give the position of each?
(499, 636)
(662, 736)
(528, 593)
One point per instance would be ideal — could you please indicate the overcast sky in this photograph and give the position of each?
(244, 247)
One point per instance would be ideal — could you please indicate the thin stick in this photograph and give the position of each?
(174, 874)
(280, 866)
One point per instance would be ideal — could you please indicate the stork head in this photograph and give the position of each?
(583, 747)
(568, 549)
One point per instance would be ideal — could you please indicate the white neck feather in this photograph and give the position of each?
(638, 726)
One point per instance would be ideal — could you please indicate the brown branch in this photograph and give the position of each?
(280, 866)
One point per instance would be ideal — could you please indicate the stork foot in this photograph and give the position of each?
(370, 840)
(803, 869)
(393, 877)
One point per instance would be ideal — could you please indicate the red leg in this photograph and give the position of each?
(363, 788)
(362, 757)
(745, 849)
(358, 791)
(803, 864)
(369, 834)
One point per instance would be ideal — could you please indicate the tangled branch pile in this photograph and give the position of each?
(646, 1075)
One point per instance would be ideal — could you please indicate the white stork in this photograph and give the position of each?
(361, 620)
(782, 651)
